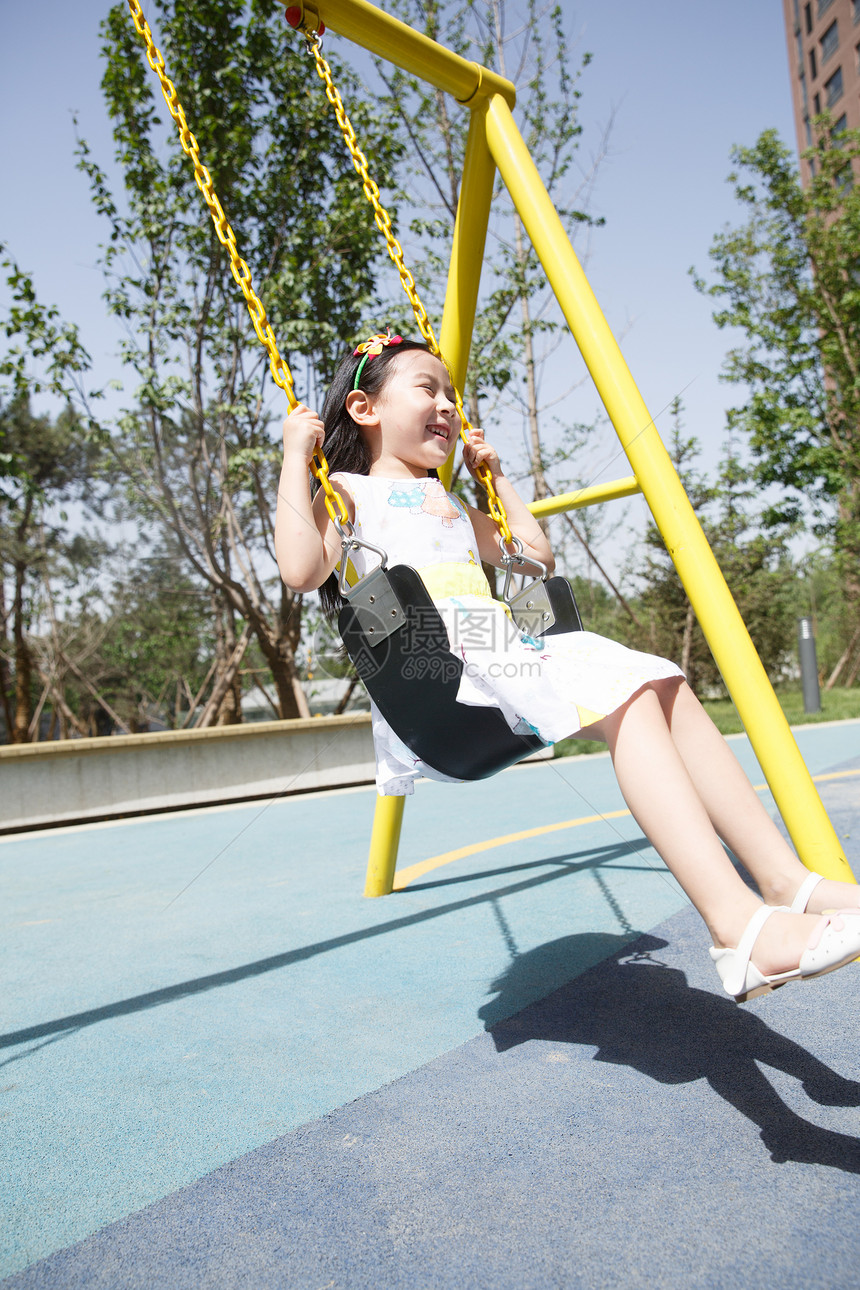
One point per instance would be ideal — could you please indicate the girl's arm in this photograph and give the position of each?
(307, 544)
(520, 519)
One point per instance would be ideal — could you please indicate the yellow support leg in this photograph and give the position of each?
(455, 339)
(789, 780)
(467, 257)
(384, 841)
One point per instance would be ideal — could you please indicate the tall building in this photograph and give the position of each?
(824, 62)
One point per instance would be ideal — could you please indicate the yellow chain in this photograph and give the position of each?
(395, 250)
(281, 374)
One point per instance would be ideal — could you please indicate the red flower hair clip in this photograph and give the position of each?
(370, 348)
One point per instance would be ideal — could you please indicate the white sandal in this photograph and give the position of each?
(835, 941)
(804, 891)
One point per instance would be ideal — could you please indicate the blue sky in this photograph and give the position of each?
(684, 82)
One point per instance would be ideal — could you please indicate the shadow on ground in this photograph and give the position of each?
(639, 1012)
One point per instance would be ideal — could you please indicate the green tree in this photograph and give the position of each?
(44, 462)
(44, 354)
(155, 642)
(536, 55)
(821, 598)
(755, 562)
(51, 465)
(668, 623)
(787, 278)
(195, 450)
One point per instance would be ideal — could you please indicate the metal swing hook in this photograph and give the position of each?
(516, 557)
(349, 542)
(530, 607)
(378, 609)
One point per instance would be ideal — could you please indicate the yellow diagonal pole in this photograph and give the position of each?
(784, 769)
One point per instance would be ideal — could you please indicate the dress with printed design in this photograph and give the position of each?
(551, 687)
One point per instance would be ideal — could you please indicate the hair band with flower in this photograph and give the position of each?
(370, 348)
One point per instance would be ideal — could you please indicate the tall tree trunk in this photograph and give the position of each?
(93, 692)
(224, 682)
(855, 669)
(227, 682)
(586, 546)
(280, 654)
(843, 660)
(61, 709)
(346, 696)
(6, 681)
(848, 565)
(687, 642)
(20, 732)
(36, 719)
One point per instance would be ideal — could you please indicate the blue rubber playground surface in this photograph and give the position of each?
(223, 1066)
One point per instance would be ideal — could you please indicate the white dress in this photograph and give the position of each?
(551, 687)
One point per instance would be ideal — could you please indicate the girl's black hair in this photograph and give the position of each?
(343, 445)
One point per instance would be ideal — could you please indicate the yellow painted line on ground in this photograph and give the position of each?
(818, 779)
(404, 877)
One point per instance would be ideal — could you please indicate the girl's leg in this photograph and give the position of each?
(664, 801)
(735, 809)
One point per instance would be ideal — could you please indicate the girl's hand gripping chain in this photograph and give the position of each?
(306, 543)
(477, 453)
(303, 433)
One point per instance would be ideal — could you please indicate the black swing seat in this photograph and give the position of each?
(398, 644)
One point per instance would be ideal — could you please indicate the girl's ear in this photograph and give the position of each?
(361, 408)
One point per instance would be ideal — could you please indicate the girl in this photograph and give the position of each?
(389, 422)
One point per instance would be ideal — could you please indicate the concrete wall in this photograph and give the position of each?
(81, 779)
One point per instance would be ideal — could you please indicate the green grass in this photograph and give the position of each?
(836, 705)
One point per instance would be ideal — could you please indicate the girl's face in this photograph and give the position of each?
(413, 424)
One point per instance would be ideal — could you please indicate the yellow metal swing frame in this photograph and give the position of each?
(495, 144)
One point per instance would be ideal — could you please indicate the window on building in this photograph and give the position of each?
(808, 132)
(830, 41)
(812, 166)
(857, 52)
(823, 6)
(816, 103)
(834, 89)
(797, 13)
(807, 13)
(856, 10)
(813, 66)
(838, 131)
(845, 179)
